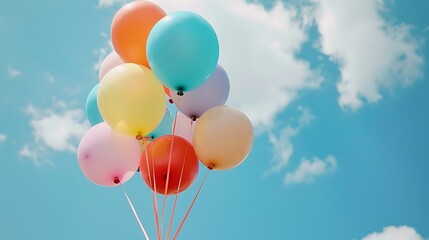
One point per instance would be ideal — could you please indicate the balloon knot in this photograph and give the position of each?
(211, 166)
(194, 118)
(170, 101)
(116, 180)
(139, 137)
(180, 93)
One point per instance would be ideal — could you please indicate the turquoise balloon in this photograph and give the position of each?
(164, 127)
(92, 112)
(182, 50)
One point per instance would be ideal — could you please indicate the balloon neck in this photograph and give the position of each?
(116, 180)
(211, 166)
(140, 137)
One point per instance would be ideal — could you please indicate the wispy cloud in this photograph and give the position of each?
(3, 137)
(13, 72)
(396, 233)
(109, 3)
(37, 154)
(56, 128)
(102, 52)
(309, 169)
(282, 141)
(372, 52)
(49, 77)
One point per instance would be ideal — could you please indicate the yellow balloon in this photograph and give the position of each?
(131, 99)
(223, 137)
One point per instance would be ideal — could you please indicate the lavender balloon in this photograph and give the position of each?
(106, 157)
(212, 93)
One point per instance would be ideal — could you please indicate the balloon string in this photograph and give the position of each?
(190, 129)
(190, 207)
(169, 164)
(135, 213)
(155, 207)
(177, 112)
(177, 194)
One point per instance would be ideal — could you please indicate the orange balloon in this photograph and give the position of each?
(154, 164)
(167, 91)
(130, 28)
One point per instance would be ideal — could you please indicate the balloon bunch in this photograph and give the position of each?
(136, 127)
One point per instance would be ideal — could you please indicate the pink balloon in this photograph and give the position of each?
(212, 93)
(106, 157)
(112, 60)
(184, 127)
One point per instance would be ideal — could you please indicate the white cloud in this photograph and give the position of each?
(282, 142)
(395, 233)
(109, 3)
(56, 128)
(373, 53)
(309, 169)
(37, 154)
(13, 72)
(3, 137)
(49, 77)
(258, 50)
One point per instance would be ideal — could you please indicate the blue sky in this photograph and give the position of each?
(337, 91)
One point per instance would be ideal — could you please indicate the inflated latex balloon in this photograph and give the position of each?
(167, 91)
(212, 93)
(131, 99)
(144, 143)
(154, 164)
(223, 137)
(130, 28)
(106, 157)
(184, 127)
(112, 60)
(171, 107)
(182, 50)
(92, 112)
(164, 127)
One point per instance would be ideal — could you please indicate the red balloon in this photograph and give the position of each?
(154, 164)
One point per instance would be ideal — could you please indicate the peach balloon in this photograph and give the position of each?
(223, 137)
(131, 27)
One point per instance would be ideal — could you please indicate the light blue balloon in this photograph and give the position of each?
(182, 50)
(171, 107)
(164, 127)
(92, 112)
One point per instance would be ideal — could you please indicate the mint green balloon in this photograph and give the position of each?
(92, 112)
(182, 50)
